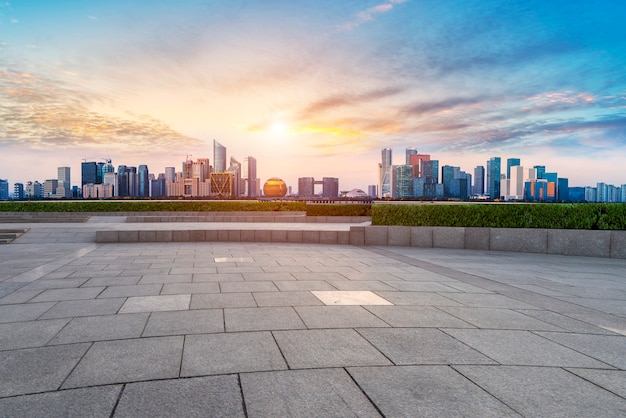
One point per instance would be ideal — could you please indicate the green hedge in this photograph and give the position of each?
(152, 206)
(552, 216)
(338, 210)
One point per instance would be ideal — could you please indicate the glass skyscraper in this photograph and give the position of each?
(493, 177)
(385, 173)
(511, 162)
(219, 157)
(143, 178)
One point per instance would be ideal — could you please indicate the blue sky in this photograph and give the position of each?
(313, 88)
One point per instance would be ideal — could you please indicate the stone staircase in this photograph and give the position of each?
(8, 235)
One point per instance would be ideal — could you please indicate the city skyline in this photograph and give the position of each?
(314, 89)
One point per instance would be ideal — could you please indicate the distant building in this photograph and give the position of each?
(50, 188)
(4, 189)
(576, 194)
(479, 180)
(511, 162)
(384, 173)
(251, 184)
(306, 187)
(222, 184)
(372, 191)
(18, 191)
(235, 169)
(88, 173)
(64, 188)
(219, 157)
(402, 177)
(409, 152)
(330, 187)
(143, 181)
(34, 190)
(493, 177)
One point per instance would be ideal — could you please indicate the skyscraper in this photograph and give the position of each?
(251, 188)
(330, 187)
(88, 173)
(541, 171)
(402, 181)
(143, 181)
(493, 177)
(306, 186)
(384, 169)
(18, 191)
(511, 162)
(4, 189)
(479, 180)
(235, 168)
(219, 157)
(409, 152)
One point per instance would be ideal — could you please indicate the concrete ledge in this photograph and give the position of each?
(556, 241)
(579, 242)
(518, 240)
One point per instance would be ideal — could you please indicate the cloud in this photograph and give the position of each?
(334, 101)
(44, 114)
(369, 14)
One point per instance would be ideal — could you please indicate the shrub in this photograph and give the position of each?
(550, 216)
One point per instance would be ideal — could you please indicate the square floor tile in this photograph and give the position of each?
(156, 303)
(349, 297)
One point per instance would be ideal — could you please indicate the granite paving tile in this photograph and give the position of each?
(75, 403)
(286, 286)
(165, 278)
(223, 277)
(610, 349)
(190, 288)
(298, 298)
(29, 334)
(231, 353)
(19, 296)
(52, 295)
(492, 318)
(97, 328)
(212, 396)
(522, 348)
(410, 286)
(89, 307)
(240, 287)
(185, 322)
(222, 300)
(417, 298)
(131, 290)
(37, 369)
(426, 391)
(23, 312)
(417, 316)
(415, 346)
(112, 281)
(566, 323)
(258, 319)
(611, 380)
(545, 391)
(257, 277)
(489, 301)
(360, 285)
(303, 393)
(133, 360)
(327, 348)
(338, 317)
(156, 303)
(54, 284)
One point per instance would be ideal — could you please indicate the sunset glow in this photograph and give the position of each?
(313, 88)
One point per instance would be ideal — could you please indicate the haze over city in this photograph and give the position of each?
(313, 88)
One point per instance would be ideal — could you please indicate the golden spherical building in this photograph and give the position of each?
(275, 187)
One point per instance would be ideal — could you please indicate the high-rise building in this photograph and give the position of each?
(133, 186)
(562, 189)
(251, 188)
(418, 161)
(219, 157)
(50, 187)
(63, 175)
(493, 177)
(4, 189)
(122, 181)
(402, 184)
(18, 191)
(143, 181)
(110, 183)
(384, 173)
(372, 190)
(516, 183)
(479, 180)
(511, 162)
(221, 184)
(540, 170)
(34, 190)
(430, 170)
(330, 187)
(448, 174)
(235, 169)
(306, 187)
(409, 152)
(88, 173)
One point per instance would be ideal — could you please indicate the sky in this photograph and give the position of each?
(313, 88)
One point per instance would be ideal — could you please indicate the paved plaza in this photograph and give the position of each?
(267, 329)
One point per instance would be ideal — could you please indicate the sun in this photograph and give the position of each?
(278, 127)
